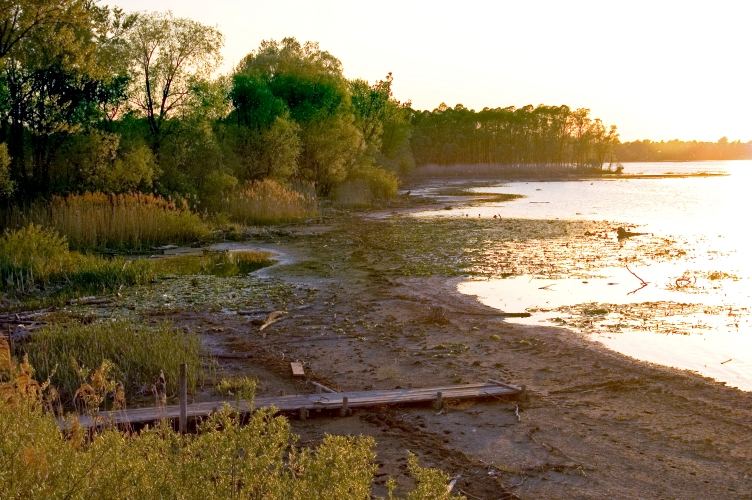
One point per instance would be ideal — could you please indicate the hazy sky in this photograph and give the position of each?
(658, 69)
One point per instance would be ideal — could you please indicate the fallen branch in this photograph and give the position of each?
(644, 283)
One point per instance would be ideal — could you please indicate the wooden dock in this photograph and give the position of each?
(304, 403)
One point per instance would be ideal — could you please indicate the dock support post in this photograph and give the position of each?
(183, 397)
(344, 410)
(439, 404)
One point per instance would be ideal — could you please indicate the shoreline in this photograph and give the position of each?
(365, 314)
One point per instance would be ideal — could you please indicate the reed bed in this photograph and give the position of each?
(107, 221)
(268, 202)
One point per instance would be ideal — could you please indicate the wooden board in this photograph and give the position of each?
(293, 403)
(297, 369)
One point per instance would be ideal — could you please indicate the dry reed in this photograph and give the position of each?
(124, 221)
(269, 202)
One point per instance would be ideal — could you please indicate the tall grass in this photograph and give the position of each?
(66, 353)
(124, 221)
(32, 258)
(269, 202)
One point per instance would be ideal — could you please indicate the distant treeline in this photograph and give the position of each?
(543, 135)
(683, 150)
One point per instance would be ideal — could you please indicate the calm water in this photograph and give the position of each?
(706, 215)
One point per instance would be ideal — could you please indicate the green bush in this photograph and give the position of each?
(366, 186)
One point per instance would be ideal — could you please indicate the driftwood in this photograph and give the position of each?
(272, 318)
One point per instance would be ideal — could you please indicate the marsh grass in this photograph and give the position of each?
(366, 187)
(269, 202)
(120, 222)
(66, 353)
(33, 258)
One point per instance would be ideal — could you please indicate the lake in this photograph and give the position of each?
(708, 289)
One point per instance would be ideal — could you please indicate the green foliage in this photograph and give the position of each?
(6, 184)
(66, 352)
(168, 56)
(306, 84)
(95, 162)
(366, 186)
(544, 136)
(225, 460)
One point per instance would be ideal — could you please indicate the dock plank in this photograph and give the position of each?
(297, 402)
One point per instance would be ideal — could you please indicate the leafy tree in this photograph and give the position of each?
(168, 57)
(307, 84)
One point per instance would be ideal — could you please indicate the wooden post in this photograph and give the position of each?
(439, 401)
(343, 411)
(183, 397)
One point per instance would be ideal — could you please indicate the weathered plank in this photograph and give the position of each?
(298, 402)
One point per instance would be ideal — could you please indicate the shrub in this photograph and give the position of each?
(66, 352)
(227, 458)
(127, 221)
(269, 202)
(366, 186)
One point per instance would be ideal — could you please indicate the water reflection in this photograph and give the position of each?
(705, 215)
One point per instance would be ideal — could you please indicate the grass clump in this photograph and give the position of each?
(269, 202)
(124, 221)
(34, 258)
(66, 353)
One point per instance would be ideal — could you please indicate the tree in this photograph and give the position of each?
(168, 57)
(304, 83)
(21, 20)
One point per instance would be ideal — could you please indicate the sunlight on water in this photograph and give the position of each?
(705, 215)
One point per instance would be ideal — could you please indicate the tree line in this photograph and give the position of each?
(543, 135)
(676, 150)
(93, 98)
(96, 99)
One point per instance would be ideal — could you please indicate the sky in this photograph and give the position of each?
(659, 69)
